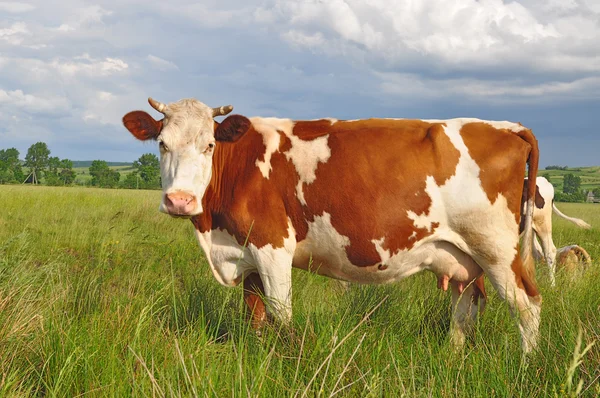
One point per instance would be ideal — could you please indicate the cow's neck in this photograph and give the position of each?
(226, 169)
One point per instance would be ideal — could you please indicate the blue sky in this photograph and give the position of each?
(69, 70)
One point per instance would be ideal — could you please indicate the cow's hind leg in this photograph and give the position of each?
(516, 287)
(465, 305)
(543, 229)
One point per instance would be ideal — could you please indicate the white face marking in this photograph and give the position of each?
(185, 155)
(305, 155)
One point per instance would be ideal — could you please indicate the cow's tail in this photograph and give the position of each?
(527, 245)
(577, 221)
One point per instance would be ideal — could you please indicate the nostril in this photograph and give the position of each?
(180, 202)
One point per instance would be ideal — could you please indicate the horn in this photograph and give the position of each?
(222, 110)
(159, 106)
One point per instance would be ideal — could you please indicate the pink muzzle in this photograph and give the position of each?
(180, 203)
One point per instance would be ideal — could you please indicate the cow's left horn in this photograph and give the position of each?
(159, 106)
(222, 110)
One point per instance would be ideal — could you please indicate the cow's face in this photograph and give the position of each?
(186, 138)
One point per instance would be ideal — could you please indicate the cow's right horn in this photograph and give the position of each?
(222, 110)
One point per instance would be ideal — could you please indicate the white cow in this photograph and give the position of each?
(542, 224)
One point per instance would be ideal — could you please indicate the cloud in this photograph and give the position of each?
(74, 68)
(89, 66)
(14, 7)
(14, 34)
(33, 103)
(443, 35)
(161, 64)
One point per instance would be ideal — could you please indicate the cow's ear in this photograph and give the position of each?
(232, 128)
(142, 125)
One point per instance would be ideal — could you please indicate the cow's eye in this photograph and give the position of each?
(210, 147)
(162, 146)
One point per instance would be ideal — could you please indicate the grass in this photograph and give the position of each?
(101, 295)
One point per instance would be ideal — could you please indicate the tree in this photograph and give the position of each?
(67, 174)
(10, 166)
(132, 181)
(571, 184)
(37, 160)
(103, 176)
(52, 173)
(546, 176)
(148, 168)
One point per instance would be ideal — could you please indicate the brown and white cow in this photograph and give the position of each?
(542, 224)
(572, 258)
(367, 201)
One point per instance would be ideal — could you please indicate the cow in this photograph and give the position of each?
(542, 224)
(572, 257)
(365, 201)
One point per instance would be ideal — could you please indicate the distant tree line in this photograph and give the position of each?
(572, 191)
(41, 168)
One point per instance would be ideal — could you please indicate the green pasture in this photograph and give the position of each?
(83, 173)
(590, 176)
(103, 296)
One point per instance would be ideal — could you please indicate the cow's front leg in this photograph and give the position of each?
(277, 281)
(274, 265)
(254, 292)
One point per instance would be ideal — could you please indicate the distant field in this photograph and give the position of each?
(101, 295)
(590, 176)
(83, 172)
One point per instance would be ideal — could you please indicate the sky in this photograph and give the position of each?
(70, 70)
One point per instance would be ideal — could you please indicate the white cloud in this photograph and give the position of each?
(506, 91)
(161, 64)
(76, 68)
(89, 66)
(65, 28)
(14, 7)
(33, 103)
(450, 34)
(14, 33)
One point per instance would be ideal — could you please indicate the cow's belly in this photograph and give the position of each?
(441, 257)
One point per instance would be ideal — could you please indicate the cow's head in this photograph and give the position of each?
(186, 135)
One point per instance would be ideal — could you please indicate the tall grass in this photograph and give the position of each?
(100, 295)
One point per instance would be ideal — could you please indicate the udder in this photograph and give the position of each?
(452, 265)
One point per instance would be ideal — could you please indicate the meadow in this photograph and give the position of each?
(590, 176)
(101, 295)
(83, 176)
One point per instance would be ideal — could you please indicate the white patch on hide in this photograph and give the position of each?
(462, 202)
(304, 155)
(383, 253)
(268, 128)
